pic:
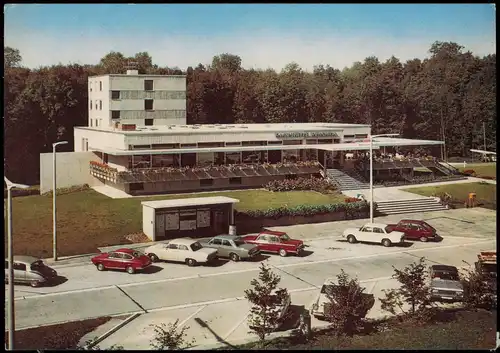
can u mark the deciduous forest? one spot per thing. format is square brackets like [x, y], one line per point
[447, 96]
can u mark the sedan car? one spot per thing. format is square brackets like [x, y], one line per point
[415, 230]
[445, 283]
[129, 260]
[232, 247]
[30, 270]
[275, 242]
[185, 250]
[374, 233]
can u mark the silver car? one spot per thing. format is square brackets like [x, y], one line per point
[445, 283]
[30, 270]
[232, 247]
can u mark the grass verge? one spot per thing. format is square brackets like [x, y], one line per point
[87, 220]
[60, 336]
[486, 194]
[481, 169]
[454, 330]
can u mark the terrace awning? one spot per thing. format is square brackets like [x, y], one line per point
[353, 146]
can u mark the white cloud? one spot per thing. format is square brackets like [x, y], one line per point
[261, 49]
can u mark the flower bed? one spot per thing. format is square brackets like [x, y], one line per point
[312, 183]
[253, 221]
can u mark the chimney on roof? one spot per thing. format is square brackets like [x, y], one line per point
[132, 68]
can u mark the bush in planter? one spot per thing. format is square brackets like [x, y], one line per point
[312, 183]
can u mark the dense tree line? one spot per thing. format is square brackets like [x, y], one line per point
[447, 97]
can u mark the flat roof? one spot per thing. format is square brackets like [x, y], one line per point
[138, 75]
[192, 201]
[239, 128]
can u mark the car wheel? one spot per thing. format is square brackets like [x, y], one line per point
[34, 284]
[100, 267]
[153, 257]
[282, 252]
[190, 262]
[423, 239]
[386, 242]
[130, 270]
[234, 257]
[351, 239]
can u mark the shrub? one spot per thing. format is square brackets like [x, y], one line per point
[170, 337]
[307, 210]
[479, 288]
[312, 183]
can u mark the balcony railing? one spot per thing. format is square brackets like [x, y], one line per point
[145, 175]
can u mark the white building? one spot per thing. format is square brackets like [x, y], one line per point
[145, 100]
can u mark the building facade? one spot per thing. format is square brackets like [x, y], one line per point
[145, 100]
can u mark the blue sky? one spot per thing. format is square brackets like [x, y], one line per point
[263, 35]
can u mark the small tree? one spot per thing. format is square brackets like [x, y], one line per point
[413, 291]
[479, 289]
[170, 337]
[348, 304]
[265, 298]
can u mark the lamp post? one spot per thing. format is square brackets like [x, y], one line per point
[54, 212]
[10, 259]
[371, 170]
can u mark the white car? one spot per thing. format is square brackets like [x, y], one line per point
[319, 308]
[185, 250]
[373, 233]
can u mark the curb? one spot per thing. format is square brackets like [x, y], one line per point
[111, 331]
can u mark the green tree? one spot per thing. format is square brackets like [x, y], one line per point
[11, 57]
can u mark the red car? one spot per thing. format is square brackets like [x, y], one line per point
[129, 260]
[275, 242]
[415, 230]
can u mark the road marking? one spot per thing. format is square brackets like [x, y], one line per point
[132, 299]
[236, 326]
[198, 276]
[191, 316]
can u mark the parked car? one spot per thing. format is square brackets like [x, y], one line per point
[30, 270]
[415, 230]
[487, 266]
[445, 283]
[185, 250]
[232, 247]
[282, 310]
[320, 307]
[374, 233]
[275, 242]
[129, 260]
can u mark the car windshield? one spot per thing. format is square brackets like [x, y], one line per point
[284, 237]
[325, 288]
[196, 246]
[239, 242]
[37, 265]
[452, 276]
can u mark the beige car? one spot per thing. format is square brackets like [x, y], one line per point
[30, 270]
[185, 250]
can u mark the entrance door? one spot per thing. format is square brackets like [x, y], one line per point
[321, 157]
[219, 222]
[160, 225]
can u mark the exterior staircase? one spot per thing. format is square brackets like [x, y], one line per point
[346, 180]
[424, 204]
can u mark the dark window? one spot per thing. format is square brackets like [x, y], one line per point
[127, 257]
[148, 104]
[234, 181]
[164, 146]
[148, 85]
[136, 186]
[90, 105]
[206, 182]
[115, 94]
[115, 114]
[233, 144]
[19, 267]
[100, 105]
[172, 246]
[100, 85]
[216, 242]
[361, 136]
[226, 243]
[275, 142]
[6, 264]
[348, 136]
[148, 122]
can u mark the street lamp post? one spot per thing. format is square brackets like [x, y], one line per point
[371, 170]
[10, 259]
[54, 213]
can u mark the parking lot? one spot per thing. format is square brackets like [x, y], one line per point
[210, 299]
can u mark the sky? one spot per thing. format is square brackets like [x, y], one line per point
[263, 35]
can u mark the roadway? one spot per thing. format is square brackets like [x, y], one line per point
[209, 299]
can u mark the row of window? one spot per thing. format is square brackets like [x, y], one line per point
[148, 85]
[148, 106]
[222, 144]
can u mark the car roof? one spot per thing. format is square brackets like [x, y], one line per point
[272, 232]
[444, 268]
[227, 236]
[25, 259]
[125, 250]
[183, 241]
[378, 225]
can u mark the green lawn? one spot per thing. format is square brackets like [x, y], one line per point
[463, 330]
[481, 169]
[87, 219]
[485, 193]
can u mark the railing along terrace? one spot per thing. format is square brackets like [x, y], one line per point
[106, 172]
